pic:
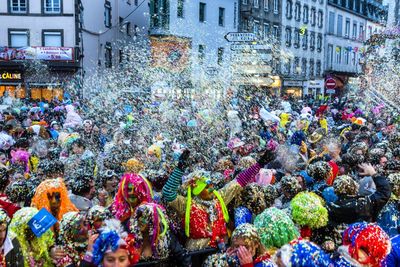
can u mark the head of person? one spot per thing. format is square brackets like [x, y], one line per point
[52, 195]
[51, 169]
[133, 190]
[319, 170]
[149, 219]
[345, 186]
[83, 186]
[246, 235]
[368, 244]
[290, 186]
[87, 126]
[253, 198]
[109, 181]
[74, 229]
[4, 178]
[96, 217]
[114, 247]
[78, 146]
[4, 222]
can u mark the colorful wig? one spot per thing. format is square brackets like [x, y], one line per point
[38, 247]
[371, 239]
[50, 186]
[275, 228]
[111, 238]
[153, 215]
[21, 156]
[308, 210]
[143, 191]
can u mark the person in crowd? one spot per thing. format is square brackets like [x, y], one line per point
[10, 253]
[83, 191]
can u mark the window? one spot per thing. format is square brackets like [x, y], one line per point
[313, 16]
[52, 38]
[320, 18]
[312, 41]
[305, 40]
[276, 32]
[18, 6]
[331, 26]
[304, 67]
[347, 30]
[245, 2]
[181, 9]
[107, 14]
[354, 30]
[256, 3]
[318, 70]
[121, 55]
[289, 7]
[338, 55]
[221, 17]
[288, 66]
[108, 55]
[266, 5]
[312, 74]
[330, 55]
[296, 65]
[202, 12]
[266, 30]
[339, 29]
[305, 14]
[136, 2]
[128, 28]
[245, 25]
[220, 55]
[319, 42]
[256, 27]
[361, 33]
[346, 57]
[201, 53]
[297, 11]
[288, 36]
[52, 6]
[276, 6]
[296, 38]
[353, 58]
[18, 38]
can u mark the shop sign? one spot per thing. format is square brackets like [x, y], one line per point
[10, 76]
[316, 84]
[293, 83]
[37, 53]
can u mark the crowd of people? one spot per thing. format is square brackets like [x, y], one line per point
[249, 180]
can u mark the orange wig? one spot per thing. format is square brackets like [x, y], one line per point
[50, 186]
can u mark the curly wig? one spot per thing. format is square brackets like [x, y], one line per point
[308, 210]
[50, 186]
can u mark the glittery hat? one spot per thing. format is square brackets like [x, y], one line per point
[275, 228]
[320, 170]
[308, 210]
[133, 165]
[394, 180]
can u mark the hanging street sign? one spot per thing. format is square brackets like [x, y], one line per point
[330, 84]
[250, 47]
[240, 37]
[251, 57]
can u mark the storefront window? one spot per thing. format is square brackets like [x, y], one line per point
[13, 91]
[46, 93]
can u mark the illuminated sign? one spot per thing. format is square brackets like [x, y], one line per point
[6, 76]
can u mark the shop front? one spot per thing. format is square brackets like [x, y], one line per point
[293, 88]
[12, 84]
[314, 88]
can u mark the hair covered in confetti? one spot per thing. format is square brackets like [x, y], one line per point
[308, 210]
[302, 253]
[50, 186]
[120, 207]
[40, 246]
[221, 260]
[253, 198]
[344, 185]
[275, 228]
[369, 238]
[111, 238]
[248, 234]
[394, 180]
[290, 185]
[319, 170]
[4, 219]
[152, 216]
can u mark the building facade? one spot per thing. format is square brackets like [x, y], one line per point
[303, 28]
[188, 37]
[108, 26]
[40, 54]
[349, 25]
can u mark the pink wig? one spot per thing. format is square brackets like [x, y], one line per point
[142, 189]
[20, 156]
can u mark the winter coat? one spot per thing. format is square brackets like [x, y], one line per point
[361, 208]
[389, 217]
[393, 259]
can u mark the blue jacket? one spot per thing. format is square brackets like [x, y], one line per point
[389, 218]
[393, 259]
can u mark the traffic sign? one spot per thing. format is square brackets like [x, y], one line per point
[331, 91]
[330, 84]
[240, 37]
[250, 47]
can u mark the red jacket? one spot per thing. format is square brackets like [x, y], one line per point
[8, 206]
